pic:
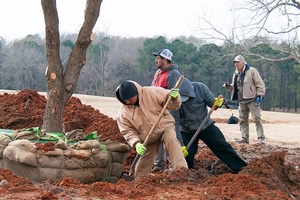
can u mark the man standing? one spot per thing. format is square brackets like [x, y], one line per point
[196, 97]
[167, 73]
[140, 108]
[166, 77]
[248, 88]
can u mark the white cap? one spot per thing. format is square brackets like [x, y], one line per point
[239, 58]
[166, 53]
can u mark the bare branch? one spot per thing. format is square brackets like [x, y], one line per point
[266, 12]
[282, 32]
[211, 31]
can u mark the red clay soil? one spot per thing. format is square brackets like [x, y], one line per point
[272, 171]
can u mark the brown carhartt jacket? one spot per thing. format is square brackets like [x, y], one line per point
[135, 122]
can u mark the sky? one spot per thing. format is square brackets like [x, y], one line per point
[130, 18]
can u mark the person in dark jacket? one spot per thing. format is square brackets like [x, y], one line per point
[196, 97]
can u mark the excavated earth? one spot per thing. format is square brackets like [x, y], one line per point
[272, 171]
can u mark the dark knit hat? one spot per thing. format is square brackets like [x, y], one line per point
[127, 90]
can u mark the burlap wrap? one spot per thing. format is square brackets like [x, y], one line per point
[87, 161]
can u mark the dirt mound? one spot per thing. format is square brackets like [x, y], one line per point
[272, 171]
[26, 109]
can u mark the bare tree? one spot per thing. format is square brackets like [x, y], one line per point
[284, 13]
[23, 63]
[278, 19]
[256, 20]
[62, 83]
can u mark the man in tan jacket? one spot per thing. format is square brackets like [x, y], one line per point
[140, 109]
[248, 88]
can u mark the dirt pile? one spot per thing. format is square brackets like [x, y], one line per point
[26, 109]
[272, 171]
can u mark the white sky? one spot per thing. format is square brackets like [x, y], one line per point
[127, 18]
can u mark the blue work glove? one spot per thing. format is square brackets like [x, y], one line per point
[218, 102]
[140, 148]
[258, 100]
[184, 151]
[174, 93]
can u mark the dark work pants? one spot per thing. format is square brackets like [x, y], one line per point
[215, 140]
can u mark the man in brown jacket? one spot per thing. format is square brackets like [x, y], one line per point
[248, 88]
[140, 109]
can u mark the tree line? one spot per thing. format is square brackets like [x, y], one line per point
[111, 60]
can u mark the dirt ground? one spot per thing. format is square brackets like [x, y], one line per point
[272, 171]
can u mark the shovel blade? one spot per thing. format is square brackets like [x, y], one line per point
[127, 177]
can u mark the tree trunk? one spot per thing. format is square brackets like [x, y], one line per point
[61, 85]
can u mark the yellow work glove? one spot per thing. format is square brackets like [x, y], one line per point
[174, 93]
[140, 148]
[218, 102]
[184, 151]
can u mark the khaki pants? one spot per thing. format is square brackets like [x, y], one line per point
[244, 110]
[173, 147]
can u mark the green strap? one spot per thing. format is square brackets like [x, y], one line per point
[9, 135]
[92, 136]
[35, 130]
[32, 129]
[55, 136]
[105, 150]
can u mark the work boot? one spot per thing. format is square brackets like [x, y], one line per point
[157, 168]
[261, 140]
[243, 140]
[169, 169]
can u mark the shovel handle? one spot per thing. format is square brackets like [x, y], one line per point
[137, 157]
[202, 125]
[178, 83]
[198, 130]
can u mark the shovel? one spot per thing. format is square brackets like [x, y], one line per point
[137, 157]
[201, 126]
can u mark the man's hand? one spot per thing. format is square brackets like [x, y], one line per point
[258, 100]
[140, 148]
[226, 84]
[218, 102]
[174, 93]
[184, 151]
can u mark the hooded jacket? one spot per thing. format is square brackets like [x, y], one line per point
[194, 110]
[166, 78]
[135, 122]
